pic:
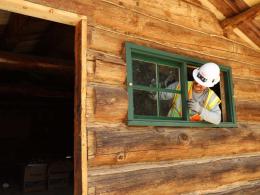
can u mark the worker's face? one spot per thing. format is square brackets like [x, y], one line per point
[198, 88]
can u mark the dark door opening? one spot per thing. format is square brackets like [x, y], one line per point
[36, 106]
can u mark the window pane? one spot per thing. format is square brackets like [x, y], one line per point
[144, 73]
[168, 75]
[167, 108]
[145, 103]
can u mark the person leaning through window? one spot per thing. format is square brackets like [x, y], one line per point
[203, 103]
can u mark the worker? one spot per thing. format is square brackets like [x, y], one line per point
[203, 103]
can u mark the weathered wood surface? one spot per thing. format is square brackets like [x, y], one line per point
[180, 12]
[113, 43]
[112, 70]
[249, 14]
[246, 90]
[166, 178]
[131, 23]
[80, 122]
[237, 188]
[248, 110]
[107, 72]
[122, 145]
[110, 104]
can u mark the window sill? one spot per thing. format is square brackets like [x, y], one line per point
[143, 122]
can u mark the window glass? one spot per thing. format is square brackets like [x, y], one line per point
[144, 104]
[168, 75]
[144, 73]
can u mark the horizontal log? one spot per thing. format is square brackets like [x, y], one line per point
[122, 145]
[248, 111]
[179, 12]
[107, 41]
[133, 23]
[246, 90]
[107, 72]
[170, 178]
[113, 71]
[10, 61]
[110, 104]
[237, 188]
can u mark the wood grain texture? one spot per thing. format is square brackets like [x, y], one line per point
[107, 41]
[108, 72]
[129, 22]
[247, 15]
[165, 178]
[80, 122]
[248, 111]
[237, 188]
[184, 13]
[110, 104]
[124, 145]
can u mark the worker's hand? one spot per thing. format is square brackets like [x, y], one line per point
[195, 106]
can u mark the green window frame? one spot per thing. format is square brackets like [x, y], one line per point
[158, 57]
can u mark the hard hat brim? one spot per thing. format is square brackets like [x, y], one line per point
[206, 84]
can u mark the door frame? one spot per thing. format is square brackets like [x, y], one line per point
[80, 92]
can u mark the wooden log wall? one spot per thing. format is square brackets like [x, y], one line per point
[165, 160]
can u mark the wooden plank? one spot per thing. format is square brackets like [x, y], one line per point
[110, 42]
[246, 90]
[124, 145]
[4, 17]
[237, 188]
[251, 30]
[175, 178]
[18, 62]
[211, 7]
[229, 10]
[40, 11]
[133, 23]
[106, 72]
[251, 3]
[245, 38]
[110, 104]
[184, 13]
[248, 111]
[233, 22]
[80, 125]
[223, 97]
[110, 70]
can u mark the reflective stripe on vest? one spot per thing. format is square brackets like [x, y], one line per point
[176, 109]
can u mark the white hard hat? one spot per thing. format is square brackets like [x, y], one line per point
[207, 75]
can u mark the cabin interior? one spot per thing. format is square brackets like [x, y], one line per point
[37, 105]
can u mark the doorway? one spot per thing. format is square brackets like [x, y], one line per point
[41, 90]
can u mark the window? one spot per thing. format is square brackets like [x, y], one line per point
[150, 75]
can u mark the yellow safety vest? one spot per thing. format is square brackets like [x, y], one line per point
[176, 109]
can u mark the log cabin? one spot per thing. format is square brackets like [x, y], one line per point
[76, 80]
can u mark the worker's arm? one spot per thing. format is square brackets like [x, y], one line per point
[212, 116]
